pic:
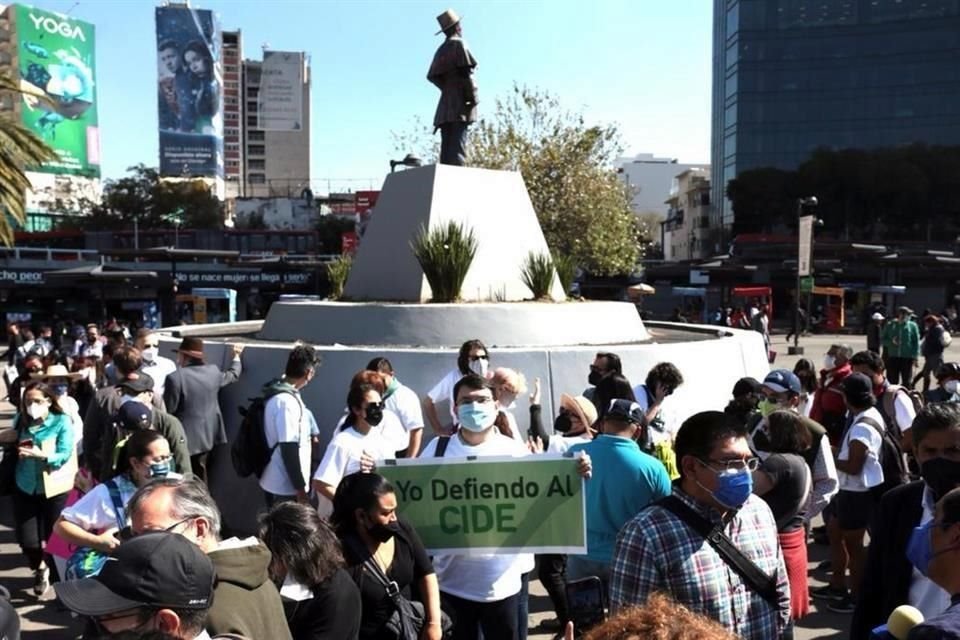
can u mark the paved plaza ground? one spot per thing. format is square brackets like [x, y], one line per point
[42, 619]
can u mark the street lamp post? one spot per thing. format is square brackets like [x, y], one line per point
[805, 222]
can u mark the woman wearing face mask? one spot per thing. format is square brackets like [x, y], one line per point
[360, 439]
[948, 387]
[58, 379]
[473, 358]
[807, 374]
[320, 599]
[94, 521]
[46, 444]
[784, 481]
[376, 543]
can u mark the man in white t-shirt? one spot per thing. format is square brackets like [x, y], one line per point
[893, 401]
[483, 592]
[403, 402]
[287, 429]
[859, 471]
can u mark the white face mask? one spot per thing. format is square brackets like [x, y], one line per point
[951, 386]
[150, 353]
[829, 362]
[480, 367]
[38, 411]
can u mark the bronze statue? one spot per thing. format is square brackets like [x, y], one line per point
[452, 73]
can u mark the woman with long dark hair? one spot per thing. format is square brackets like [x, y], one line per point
[807, 373]
[473, 357]
[320, 599]
[204, 99]
[784, 482]
[376, 545]
[45, 440]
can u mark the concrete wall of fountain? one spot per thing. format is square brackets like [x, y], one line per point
[711, 361]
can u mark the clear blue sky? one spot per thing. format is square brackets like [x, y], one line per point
[643, 64]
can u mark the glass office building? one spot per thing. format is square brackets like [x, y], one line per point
[790, 76]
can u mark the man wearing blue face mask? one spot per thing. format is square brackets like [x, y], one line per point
[663, 548]
[893, 577]
[481, 591]
[935, 549]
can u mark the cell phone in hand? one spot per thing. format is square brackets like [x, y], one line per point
[587, 602]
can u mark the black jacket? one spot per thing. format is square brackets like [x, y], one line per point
[886, 577]
[333, 613]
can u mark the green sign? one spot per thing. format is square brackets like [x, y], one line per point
[806, 284]
[56, 60]
[530, 505]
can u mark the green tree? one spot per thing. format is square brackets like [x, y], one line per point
[20, 149]
[583, 206]
[154, 203]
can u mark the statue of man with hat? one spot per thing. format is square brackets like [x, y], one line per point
[452, 73]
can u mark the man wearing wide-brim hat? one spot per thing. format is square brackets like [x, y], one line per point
[452, 73]
[191, 394]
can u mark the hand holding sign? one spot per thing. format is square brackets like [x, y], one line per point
[584, 465]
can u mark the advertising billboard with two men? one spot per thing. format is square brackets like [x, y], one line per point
[189, 93]
[56, 59]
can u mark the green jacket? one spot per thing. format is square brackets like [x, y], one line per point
[902, 339]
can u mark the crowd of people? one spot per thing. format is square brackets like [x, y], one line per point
[696, 526]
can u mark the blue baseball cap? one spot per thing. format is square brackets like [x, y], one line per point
[782, 381]
[625, 411]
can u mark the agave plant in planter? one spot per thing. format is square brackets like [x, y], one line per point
[566, 267]
[445, 254]
[537, 274]
[337, 272]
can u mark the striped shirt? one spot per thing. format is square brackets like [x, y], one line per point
[656, 551]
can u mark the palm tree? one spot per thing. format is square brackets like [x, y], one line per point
[19, 150]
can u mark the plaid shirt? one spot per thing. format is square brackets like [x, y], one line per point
[658, 552]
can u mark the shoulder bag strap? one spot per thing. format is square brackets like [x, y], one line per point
[442, 443]
[370, 564]
[117, 500]
[754, 576]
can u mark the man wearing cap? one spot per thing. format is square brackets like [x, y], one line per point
[156, 581]
[625, 481]
[98, 422]
[901, 341]
[858, 463]
[781, 391]
[192, 395]
[452, 73]
[245, 601]
[875, 333]
[746, 395]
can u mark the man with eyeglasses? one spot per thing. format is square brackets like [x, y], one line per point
[603, 365]
[658, 551]
[155, 582]
[245, 601]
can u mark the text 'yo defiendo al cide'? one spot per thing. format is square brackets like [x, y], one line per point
[492, 505]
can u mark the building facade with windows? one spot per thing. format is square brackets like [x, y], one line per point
[791, 76]
[232, 113]
[686, 228]
[275, 163]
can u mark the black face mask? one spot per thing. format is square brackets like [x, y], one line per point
[562, 424]
[374, 414]
[594, 378]
[383, 532]
[941, 475]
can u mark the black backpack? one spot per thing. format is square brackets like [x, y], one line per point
[249, 451]
[892, 461]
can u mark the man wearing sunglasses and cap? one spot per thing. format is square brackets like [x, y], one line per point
[157, 581]
[452, 73]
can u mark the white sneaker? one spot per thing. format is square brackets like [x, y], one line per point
[41, 580]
